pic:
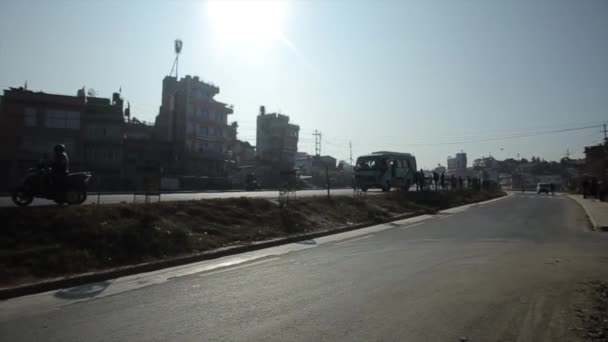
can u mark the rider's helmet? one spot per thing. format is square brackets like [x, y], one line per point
[59, 148]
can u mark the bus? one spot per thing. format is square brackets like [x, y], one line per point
[385, 170]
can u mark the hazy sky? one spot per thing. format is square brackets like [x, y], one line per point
[427, 77]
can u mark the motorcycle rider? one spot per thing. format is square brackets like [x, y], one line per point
[60, 169]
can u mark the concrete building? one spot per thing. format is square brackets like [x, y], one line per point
[103, 128]
[276, 139]
[143, 155]
[596, 161]
[327, 161]
[457, 165]
[486, 168]
[239, 152]
[440, 169]
[309, 165]
[196, 124]
[31, 123]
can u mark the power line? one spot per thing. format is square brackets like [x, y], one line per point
[464, 138]
[477, 138]
[522, 135]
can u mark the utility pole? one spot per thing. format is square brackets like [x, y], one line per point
[605, 133]
[568, 153]
[317, 135]
[350, 146]
[327, 178]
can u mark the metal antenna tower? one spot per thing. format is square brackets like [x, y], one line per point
[178, 49]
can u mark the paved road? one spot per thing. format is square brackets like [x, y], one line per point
[118, 198]
[507, 270]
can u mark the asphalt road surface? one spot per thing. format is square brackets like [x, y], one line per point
[118, 198]
[505, 270]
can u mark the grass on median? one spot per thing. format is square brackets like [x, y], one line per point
[49, 241]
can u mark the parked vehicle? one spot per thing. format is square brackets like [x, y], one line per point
[37, 183]
[385, 170]
[543, 188]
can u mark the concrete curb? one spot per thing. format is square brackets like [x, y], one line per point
[594, 224]
[92, 277]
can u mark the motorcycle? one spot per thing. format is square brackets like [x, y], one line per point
[37, 184]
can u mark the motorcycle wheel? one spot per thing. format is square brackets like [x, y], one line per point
[22, 198]
[75, 196]
[82, 198]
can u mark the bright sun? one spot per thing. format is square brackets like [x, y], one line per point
[247, 21]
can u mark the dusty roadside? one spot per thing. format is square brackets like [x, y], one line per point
[592, 312]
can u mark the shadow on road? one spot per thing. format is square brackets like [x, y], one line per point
[84, 291]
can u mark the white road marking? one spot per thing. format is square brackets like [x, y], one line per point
[412, 225]
[229, 269]
[341, 243]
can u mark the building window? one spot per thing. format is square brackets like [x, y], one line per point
[62, 119]
[31, 118]
[44, 144]
[202, 95]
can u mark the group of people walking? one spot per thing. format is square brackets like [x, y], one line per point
[436, 181]
[592, 187]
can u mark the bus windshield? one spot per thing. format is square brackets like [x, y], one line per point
[368, 162]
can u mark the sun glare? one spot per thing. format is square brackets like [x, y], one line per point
[247, 21]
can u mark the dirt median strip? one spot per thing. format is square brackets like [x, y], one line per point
[91, 277]
[180, 233]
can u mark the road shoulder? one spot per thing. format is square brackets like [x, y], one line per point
[596, 211]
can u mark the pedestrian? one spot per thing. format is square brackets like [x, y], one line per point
[585, 186]
[416, 181]
[594, 187]
[436, 179]
[60, 170]
[421, 178]
[443, 180]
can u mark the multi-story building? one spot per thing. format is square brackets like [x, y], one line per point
[31, 123]
[596, 161]
[239, 152]
[457, 166]
[276, 139]
[91, 128]
[143, 154]
[103, 128]
[196, 124]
